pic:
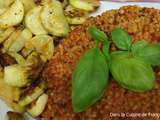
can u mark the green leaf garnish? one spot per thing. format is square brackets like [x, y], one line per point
[131, 67]
[119, 54]
[89, 80]
[100, 36]
[132, 73]
[105, 50]
[121, 39]
[97, 35]
[138, 45]
[148, 52]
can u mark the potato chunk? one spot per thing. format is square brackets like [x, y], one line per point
[86, 5]
[28, 4]
[33, 21]
[43, 44]
[16, 75]
[39, 106]
[5, 34]
[19, 43]
[53, 18]
[13, 15]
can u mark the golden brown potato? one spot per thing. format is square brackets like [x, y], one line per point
[86, 5]
[83, 5]
[53, 18]
[13, 15]
[76, 20]
[5, 34]
[74, 12]
[7, 93]
[23, 73]
[2, 10]
[11, 40]
[5, 3]
[37, 108]
[20, 41]
[34, 65]
[33, 21]
[16, 75]
[28, 4]
[19, 58]
[43, 44]
[30, 97]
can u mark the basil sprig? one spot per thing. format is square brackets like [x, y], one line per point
[97, 35]
[89, 80]
[100, 36]
[131, 67]
[121, 39]
[131, 72]
[90, 77]
[149, 52]
[138, 45]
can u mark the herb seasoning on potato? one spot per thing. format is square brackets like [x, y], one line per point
[28, 29]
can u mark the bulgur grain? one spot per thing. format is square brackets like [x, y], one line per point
[141, 23]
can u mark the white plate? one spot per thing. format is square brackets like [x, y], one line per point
[104, 6]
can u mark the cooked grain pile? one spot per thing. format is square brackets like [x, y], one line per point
[141, 23]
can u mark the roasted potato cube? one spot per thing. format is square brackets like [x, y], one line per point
[16, 75]
[25, 71]
[71, 11]
[37, 108]
[20, 41]
[86, 5]
[2, 10]
[11, 40]
[34, 65]
[76, 20]
[5, 3]
[13, 15]
[19, 58]
[28, 4]
[10, 95]
[5, 34]
[33, 21]
[53, 18]
[43, 44]
[83, 5]
[29, 98]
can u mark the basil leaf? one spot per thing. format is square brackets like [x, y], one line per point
[100, 36]
[119, 54]
[89, 80]
[138, 45]
[149, 52]
[105, 50]
[132, 73]
[96, 34]
[121, 39]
